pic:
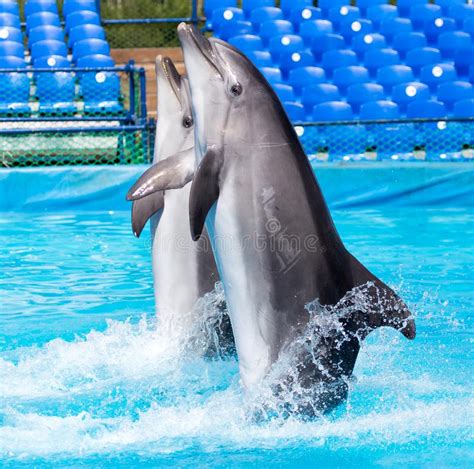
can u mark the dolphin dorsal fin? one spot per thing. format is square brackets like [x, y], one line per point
[173, 172]
[381, 306]
[204, 191]
[143, 209]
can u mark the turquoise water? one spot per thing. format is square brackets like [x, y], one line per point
[88, 377]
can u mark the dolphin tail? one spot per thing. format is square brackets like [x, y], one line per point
[171, 173]
[143, 209]
[379, 306]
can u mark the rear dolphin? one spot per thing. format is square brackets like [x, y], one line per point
[184, 271]
[275, 243]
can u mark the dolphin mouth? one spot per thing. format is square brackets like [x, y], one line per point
[174, 78]
[190, 36]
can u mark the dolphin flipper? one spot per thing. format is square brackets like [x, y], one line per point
[171, 173]
[204, 191]
[143, 209]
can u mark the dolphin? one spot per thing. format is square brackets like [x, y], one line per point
[275, 243]
[183, 271]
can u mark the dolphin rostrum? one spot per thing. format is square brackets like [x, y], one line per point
[184, 271]
[276, 246]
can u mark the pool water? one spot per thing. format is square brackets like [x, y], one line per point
[88, 377]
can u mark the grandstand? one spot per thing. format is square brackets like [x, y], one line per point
[66, 89]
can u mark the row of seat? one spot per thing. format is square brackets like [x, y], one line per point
[57, 92]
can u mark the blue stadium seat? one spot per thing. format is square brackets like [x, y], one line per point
[43, 33]
[295, 111]
[8, 33]
[460, 12]
[422, 12]
[12, 62]
[468, 26]
[246, 42]
[319, 93]
[403, 42]
[42, 19]
[302, 14]
[55, 92]
[285, 43]
[101, 92]
[284, 92]
[343, 77]
[78, 18]
[326, 42]
[272, 74]
[454, 41]
[434, 75]
[338, 58]
[222, 17]
[379, 110]
[301, 77]
[417, 58]
[426, 109]
[350, 29]
[390, 27]
[343, 13]
[365, 4]
[7, 19]
[463, 59]
[235, 28]
[377, 58]
[314, 28]
[433, 28]
[38, 6]
[47, 48]
[52, 61]
[288, 5]
[464, 108]
[90, 47]
[361, 93]
[249, 5]
[407, 93]
[453, 91]
[260, 58]
[291, 60]
[264, 14]
[405, 5]
[379, 13]
[14, 94]
[326, 5]
[10, 48]
[446, 4]
[86, 31]
[274, 28]
[95, 61]
[332, 111]
[71, 6]
[362, 44]
[10, 7]
[393, 75]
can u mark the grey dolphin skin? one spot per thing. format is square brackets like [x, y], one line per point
[183, 271]
[276, 246]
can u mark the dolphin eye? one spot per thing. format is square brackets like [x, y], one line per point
[236, 89]
[188, 122]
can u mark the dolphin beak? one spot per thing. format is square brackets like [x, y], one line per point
[166, 69]
[193, 42]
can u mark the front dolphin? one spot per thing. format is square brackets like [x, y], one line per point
[183, 271]
[274, 240]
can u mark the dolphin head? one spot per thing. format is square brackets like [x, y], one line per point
[175, 126]
[226, 88]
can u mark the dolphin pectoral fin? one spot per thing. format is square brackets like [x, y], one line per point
[171, 173]
[143, 209]
[384, 308]
[204, 191]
